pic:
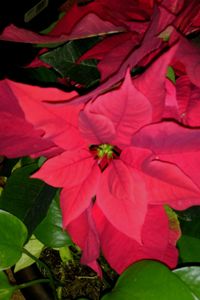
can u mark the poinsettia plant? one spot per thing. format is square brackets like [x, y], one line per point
[100, 148]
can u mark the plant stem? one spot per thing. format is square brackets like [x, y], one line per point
[27, 284]
[41, 264]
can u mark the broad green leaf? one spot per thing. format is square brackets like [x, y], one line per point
[50, 231]
[189, 249]
[149, 280]
[26, 198]
[6, 289]
[64, 60]
[191, 277]
[37, 75]
[35, 247]
[189, 243]
[13, 235]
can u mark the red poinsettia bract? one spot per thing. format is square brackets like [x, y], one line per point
[27, 126]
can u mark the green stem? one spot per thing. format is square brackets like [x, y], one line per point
[40, 263]
[27, 284]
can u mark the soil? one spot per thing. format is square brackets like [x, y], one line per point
[78, 281]
[73, 280]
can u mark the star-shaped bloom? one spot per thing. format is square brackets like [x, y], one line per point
[119, 163]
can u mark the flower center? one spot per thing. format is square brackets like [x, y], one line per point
[104, 153]
[105, 150]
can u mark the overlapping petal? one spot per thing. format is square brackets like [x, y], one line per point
[122, 198]
[158, 242]
[19, 138]
[84, 233]
[68, 169]
[126, 107]
[96, 129]
[57, 123]
[167, 137]
[75, 200]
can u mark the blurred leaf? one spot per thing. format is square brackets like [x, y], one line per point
[35, 247]
[171, 74]
[149, 280]
[191, 277]
[65, 254]
[189, 249]
[50, 27]
[27, 198]
[13, 235]
[7, 166]
[64, 60]
[40, 74]
[6, 289]
[50, 231]
[190, 221]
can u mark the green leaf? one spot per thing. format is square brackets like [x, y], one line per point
[39, 75]
[190, 221]
[64, 60]
[6, 289]
[65, 254]
[13, 235]
[50, 231]
[149, 280]
[27, 198]
[7, 166]
[171, 74]
[189, 242]
[189, 249]
[35, 247]
[191, 277]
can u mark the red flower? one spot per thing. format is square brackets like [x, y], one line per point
[124, 164]
[106, 128]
